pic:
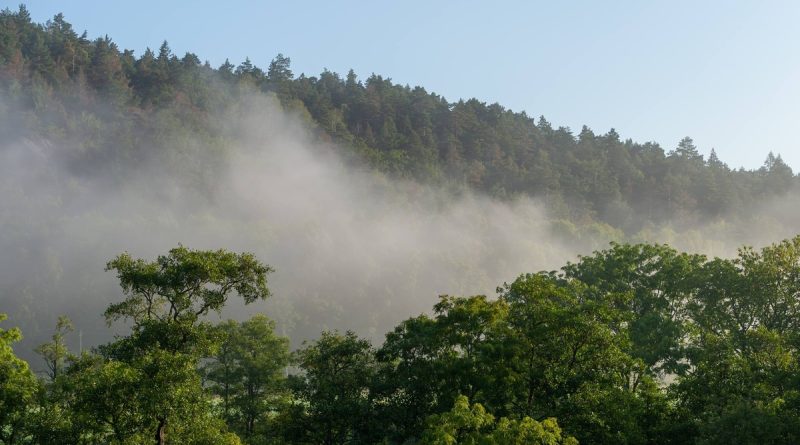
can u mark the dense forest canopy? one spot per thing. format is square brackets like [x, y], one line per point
[636, 343]
[70, 85]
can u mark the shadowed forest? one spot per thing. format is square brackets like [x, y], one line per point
[361, 202]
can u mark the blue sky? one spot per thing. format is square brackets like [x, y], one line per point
[723, 72]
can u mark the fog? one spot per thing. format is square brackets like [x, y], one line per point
[352, 249]
[765, 223]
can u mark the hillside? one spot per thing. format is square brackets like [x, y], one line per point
[58, 84]
[237, 255]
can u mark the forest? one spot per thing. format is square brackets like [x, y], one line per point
[68, 85]
[635, 344]
[631, 342]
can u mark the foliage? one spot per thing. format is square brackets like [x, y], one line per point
[332, 400]
[18, 387]
[634, 344]
[247, 373]
[146, 385]
[56, 353]
[57, 80]
[472, 425]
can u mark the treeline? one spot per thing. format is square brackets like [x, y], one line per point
[113, 105]
[636, 344]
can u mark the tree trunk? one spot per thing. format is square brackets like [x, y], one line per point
[161, 432]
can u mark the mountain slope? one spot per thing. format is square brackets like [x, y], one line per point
[56, 83]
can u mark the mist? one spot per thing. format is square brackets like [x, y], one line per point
[352, 248]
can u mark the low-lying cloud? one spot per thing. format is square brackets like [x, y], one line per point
[352, 249]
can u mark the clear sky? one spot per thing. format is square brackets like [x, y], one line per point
[726, 73]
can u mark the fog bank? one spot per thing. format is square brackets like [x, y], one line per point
[351, 248]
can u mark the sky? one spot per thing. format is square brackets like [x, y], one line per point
[722, 72]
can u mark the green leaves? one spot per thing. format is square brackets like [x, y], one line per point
[185, 284]
[332, 395]
[596, 179]
[247, 373]
[467, 424]
[166, 300]
[463, 424]
[56, 353]
[549, 346]
[635, 344]
[18, 387]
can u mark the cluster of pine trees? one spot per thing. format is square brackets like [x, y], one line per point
[636, 344]
[114, 105]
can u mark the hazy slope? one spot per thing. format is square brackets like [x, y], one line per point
[352, 249]
[91, 166]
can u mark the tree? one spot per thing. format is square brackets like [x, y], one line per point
[332, 397]
[105, 72]
[222, 372]
[247, 372]
[742, 349]
[776, 174]
[263, 356]
[247, 70]
[226, 69]
[17, 389]
[171, 294]
[165, 301]
[687, 150]
[463, 424]
[658, 280]
[714, 162]
[279, 69]
[56, 352]
[471, 425]
[428, 362]
[563, 352]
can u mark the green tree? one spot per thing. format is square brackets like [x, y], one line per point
[687, 150]
[777, 176]
[467, 424]
[279, 69]
[54, 420]
[742, 348]
[165, 301]
[222, 372]
[247, 372]
[56, 352]
[428, 362]
[332, 399]
[563, 352]
[18, 387]
[657, 281]
[171, 295]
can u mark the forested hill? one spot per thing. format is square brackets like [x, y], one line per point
[57, 83]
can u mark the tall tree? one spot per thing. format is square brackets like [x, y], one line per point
[332, 398]
[55, 353]
[17, 389]
[687, 150]
[280, 69]
[165, 301]
[247, 373]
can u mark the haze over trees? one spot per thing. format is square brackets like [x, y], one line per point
[60, 79]
[635, 343]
